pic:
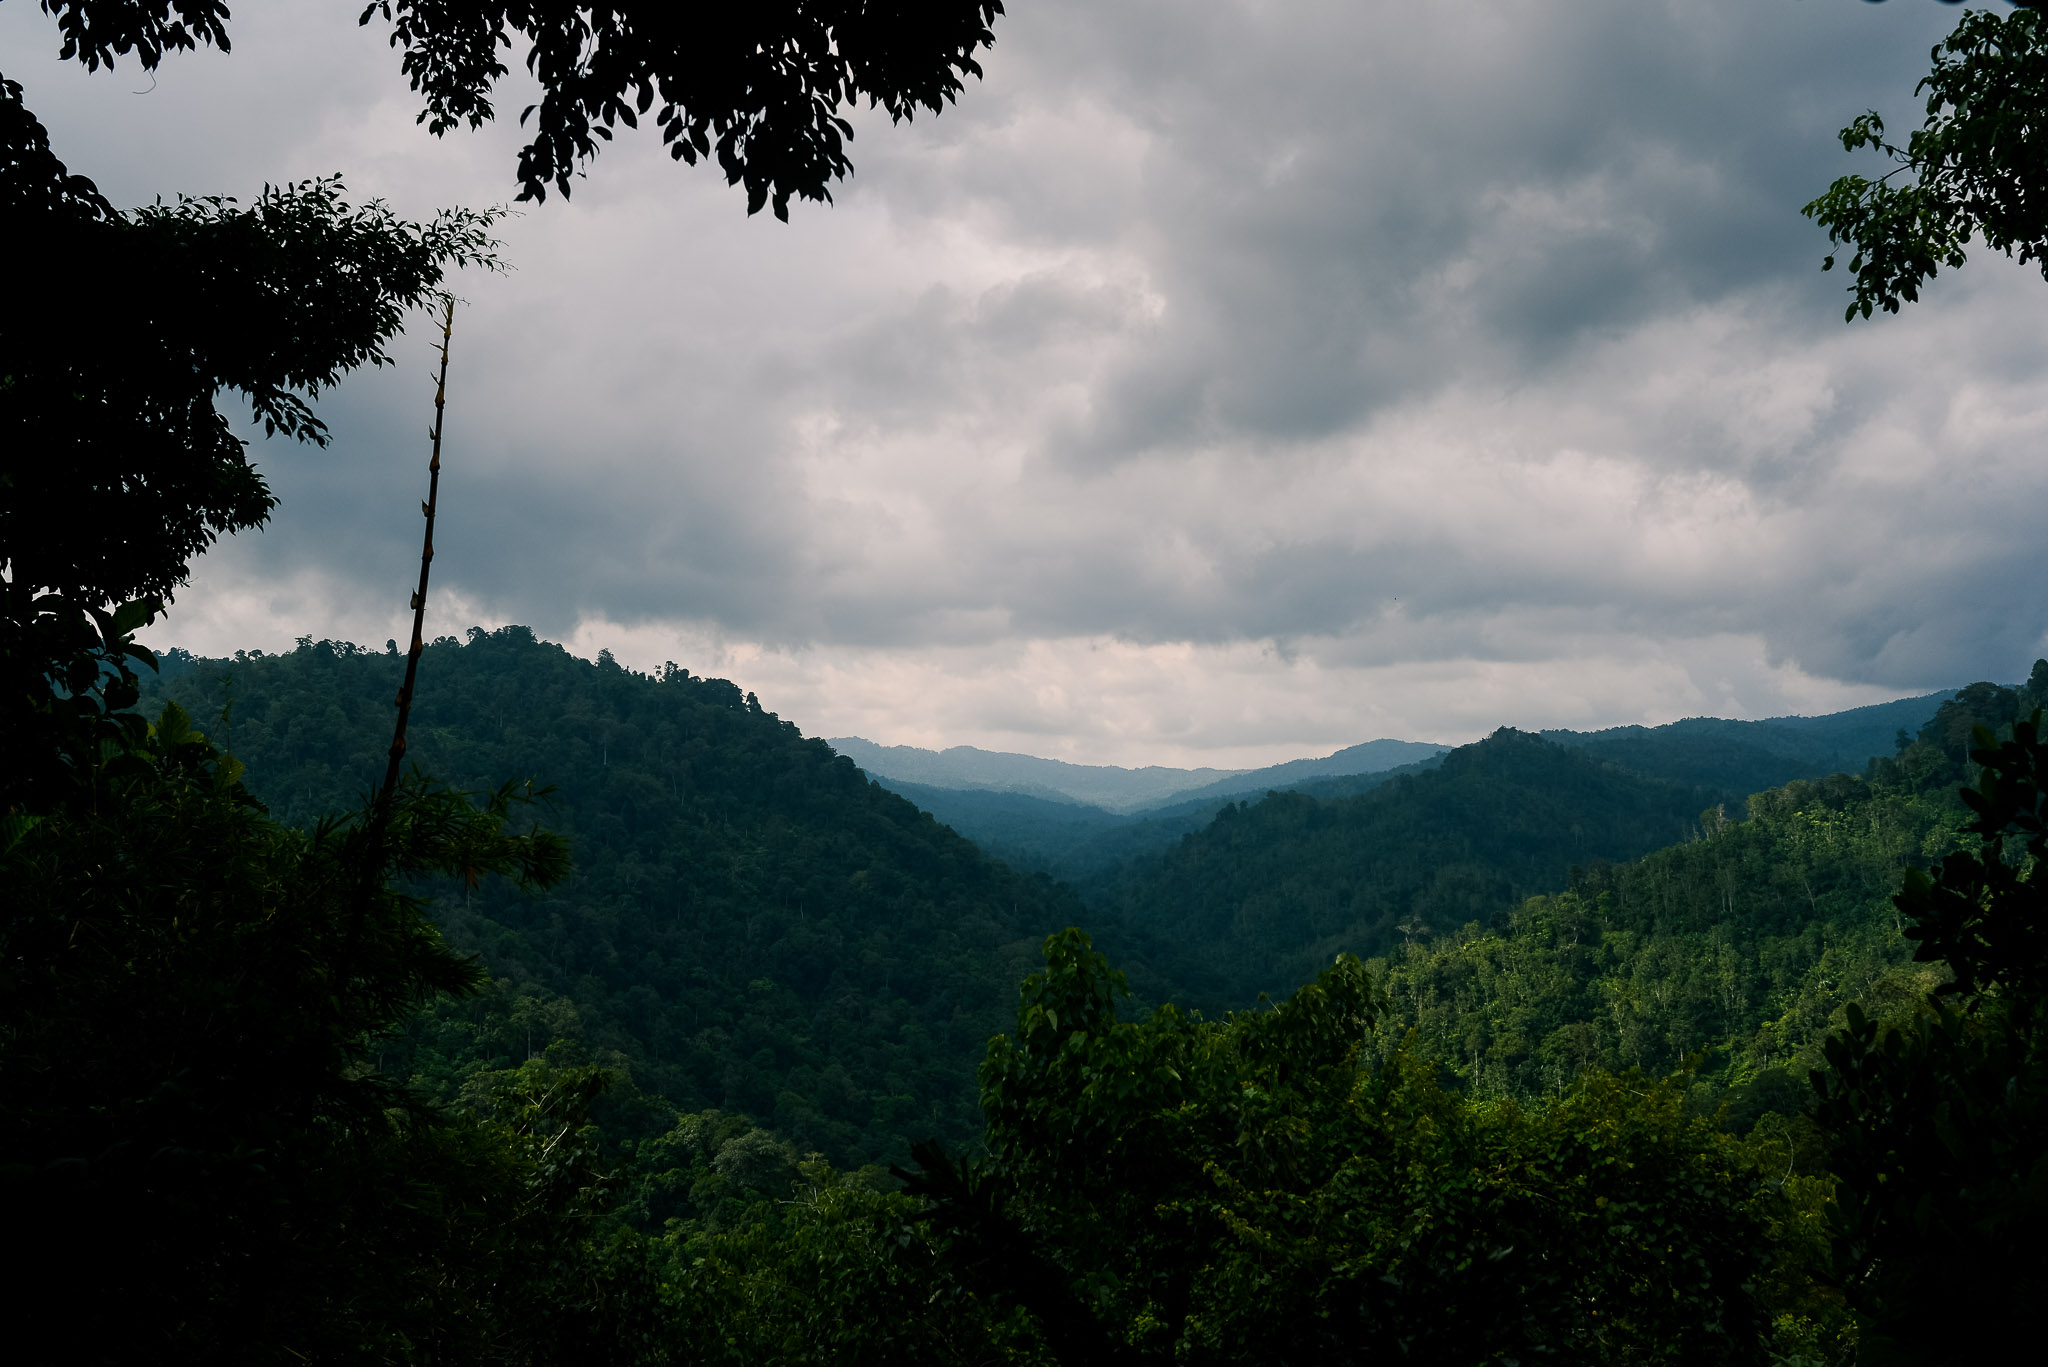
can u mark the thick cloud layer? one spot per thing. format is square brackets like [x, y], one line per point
[1215, 384]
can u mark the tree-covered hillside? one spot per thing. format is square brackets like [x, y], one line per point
[1743, 944]
[1070, 838]
[783, 957]
[756, 927]
[1738, 758]
[1270, 891]
[751, 924]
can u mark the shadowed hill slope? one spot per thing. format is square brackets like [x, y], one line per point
[1265, 895]
[1037, 826]
[752, 925]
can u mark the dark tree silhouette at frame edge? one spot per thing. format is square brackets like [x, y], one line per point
[1938, 1123]
[1976, 165]
[183, 1049]
[280, 298]
[763, 89]
[113, 349]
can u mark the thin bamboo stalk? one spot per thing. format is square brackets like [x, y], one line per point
[380, 810]
[419, 598]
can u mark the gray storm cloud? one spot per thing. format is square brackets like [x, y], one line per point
[1359, 356]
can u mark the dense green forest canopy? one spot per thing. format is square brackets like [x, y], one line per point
[1269, 891]
[227, 1028]
[755, 927]
[1243, 1191]
[194, 999]
[775, 957]
[1740, 946]
[1737, 758]
[751, 925]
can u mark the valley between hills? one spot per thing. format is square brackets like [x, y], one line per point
[757, 926]
[1192, 370]
[666, 1028]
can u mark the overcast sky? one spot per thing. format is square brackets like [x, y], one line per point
[1217, 383]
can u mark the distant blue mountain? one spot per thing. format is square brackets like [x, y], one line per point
[1078, 842]
[1373, 757]
[965, 766]
[1077, 821]
[1113, 789]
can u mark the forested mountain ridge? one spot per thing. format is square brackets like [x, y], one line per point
[686, 803]
[1038, 828]
[729, 817]
[213, 1023]
[1744, 757]
[1268, 892]
[751, 924]
[1741, 946]
[747, 898]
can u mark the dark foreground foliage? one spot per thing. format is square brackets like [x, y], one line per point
[195, 1141]
[1254, 1189]
[1576, 1131]
[1938, 1121]
[121, 467]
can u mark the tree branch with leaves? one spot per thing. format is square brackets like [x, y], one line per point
[1977, 165]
